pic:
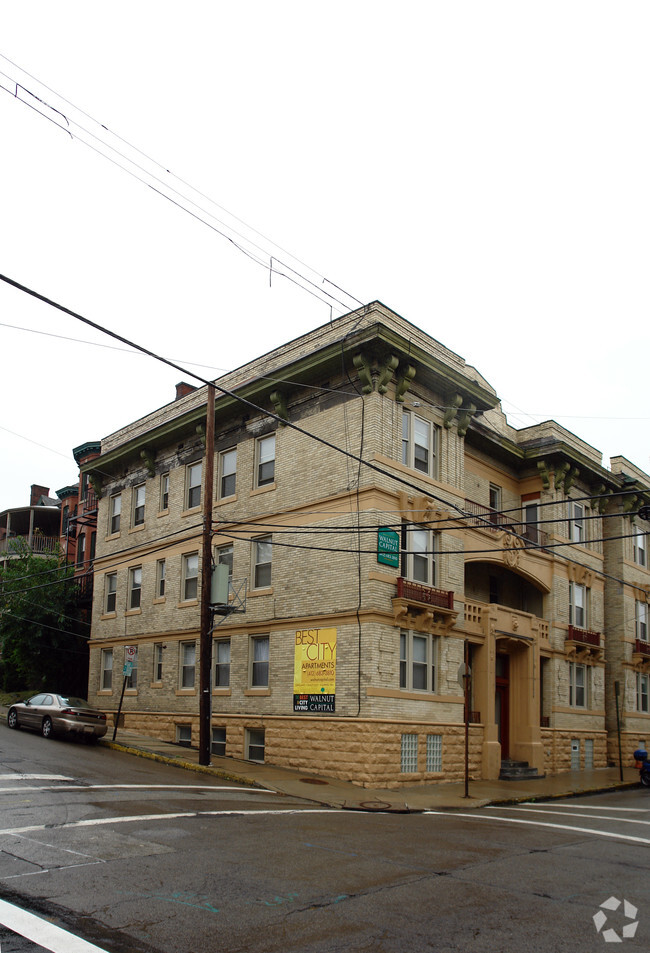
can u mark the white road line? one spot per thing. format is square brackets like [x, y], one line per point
[139, 818]
[560, 827]
[595, 817]
[126, 787]
[35, 777]
[42, 932]
[592, 807]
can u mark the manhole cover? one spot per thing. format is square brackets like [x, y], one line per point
[313, 781]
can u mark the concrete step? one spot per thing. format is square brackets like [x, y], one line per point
[518, 771]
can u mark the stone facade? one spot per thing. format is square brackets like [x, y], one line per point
[364, 426]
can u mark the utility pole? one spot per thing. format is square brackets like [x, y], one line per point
[205, 706]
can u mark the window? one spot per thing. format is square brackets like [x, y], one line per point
[184, 735]
[93, 544]
[138, 505]
[164, 492]
[193, 485]
[409, 754]
[642, 692]
[115, 513]
[419, 440]
[266, 460]
[262, 562]
[640, 557]
[132, 679]
[578, 605]
[81, 549]
[106, 676]
[434, 752]
[110, 592]
[530, 519]
[641, 620]
[225, 558]
[188, 664]
[228, 473]
[255, 744]
[259, 661]
[495, 497]
[135, 587]
[417, 661]
[190, 576]
[222, 663]
[576, 522]
[157, 661]
[219, 742]
[577, 685]
[418, 562]
[160, 578]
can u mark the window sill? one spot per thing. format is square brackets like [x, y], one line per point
[137, 529]
[187, 604]
[137, 611]
[185, 691]
[251, 692]
[111, 537]
[193, 511]
[130, 691]
[226, 499]
[159, 600]
[164, 512]
[263, 489]
[264, 591]
[222, 691]
[105, 691]
[108, 615]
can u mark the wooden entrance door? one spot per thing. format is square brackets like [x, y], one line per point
[502, 704]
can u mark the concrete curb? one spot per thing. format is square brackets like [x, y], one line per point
[184, 765]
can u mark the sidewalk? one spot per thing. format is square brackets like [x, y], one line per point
[343, 794]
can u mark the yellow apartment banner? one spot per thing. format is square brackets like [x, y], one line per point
[314, 674]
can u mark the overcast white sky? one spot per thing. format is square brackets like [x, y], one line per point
[480, 167]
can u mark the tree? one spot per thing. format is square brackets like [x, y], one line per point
[42, 637]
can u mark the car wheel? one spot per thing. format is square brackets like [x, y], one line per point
[645, 779]
[12, 718]
[46, 727]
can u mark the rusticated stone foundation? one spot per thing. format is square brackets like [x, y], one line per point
[365, 752]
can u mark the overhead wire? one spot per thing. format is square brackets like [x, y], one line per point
[314, 289]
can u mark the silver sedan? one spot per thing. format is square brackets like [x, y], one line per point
[58, 714]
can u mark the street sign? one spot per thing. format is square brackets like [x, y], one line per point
[128, 669]
[130, 652]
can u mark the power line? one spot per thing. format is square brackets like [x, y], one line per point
[316, 290]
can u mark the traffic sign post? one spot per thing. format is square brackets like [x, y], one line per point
[130, 653]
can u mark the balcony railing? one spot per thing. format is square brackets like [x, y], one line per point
[642, 648]
[39, 545]
[485, 517]
[89, 503]
[583, 636]
[415, 591]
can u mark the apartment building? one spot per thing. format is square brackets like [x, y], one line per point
[378, 523]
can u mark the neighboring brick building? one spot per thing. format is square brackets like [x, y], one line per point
[78, 528]
[370, 577]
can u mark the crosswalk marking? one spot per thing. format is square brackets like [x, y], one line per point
[45, 934]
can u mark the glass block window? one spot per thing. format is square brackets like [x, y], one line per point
[434, 752]
[409, 758]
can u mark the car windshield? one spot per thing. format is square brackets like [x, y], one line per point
[72, 702]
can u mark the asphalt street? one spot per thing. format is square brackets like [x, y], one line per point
[124, 854]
